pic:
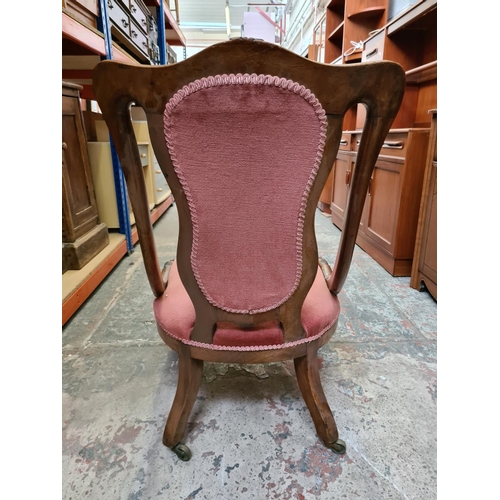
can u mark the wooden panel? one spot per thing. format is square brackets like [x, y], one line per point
[427, 99]
[79, 206]
[429, 257]
[341, 178]
[325, 197]
[383, 203]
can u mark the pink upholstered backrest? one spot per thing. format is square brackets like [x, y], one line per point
[246, 150]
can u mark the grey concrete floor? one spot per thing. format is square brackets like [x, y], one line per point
[250, 432]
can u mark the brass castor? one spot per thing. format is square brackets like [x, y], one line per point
[338, 447]
[182, 451]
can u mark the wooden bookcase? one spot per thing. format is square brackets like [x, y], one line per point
[351, 20]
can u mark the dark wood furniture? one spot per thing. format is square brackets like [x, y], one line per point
[134, 28]
[83, 236]
[380, 86]
[424, 270]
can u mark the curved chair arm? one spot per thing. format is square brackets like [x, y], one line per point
[115, 111]
[374, 134]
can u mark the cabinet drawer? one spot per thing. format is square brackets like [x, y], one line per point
[143, 153]
[374, 48]
[118, 16]
[138, 15]
[394, 144]
[139, 38]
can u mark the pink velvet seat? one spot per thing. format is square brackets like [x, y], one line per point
[175, 314]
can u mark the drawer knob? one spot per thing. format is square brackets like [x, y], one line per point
[158, 171]
[160, 189]
[143, 155]
[64, 145]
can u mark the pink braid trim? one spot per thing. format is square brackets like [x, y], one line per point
[213, 347]
[238, 79]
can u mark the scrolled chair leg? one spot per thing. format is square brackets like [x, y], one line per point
[188, 384]
[307, 370]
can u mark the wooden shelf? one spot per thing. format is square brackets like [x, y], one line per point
[337, 32]
[422, 74]
[367, 13]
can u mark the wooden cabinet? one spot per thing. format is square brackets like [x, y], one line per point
[83, 236]
[424, 270]
[341, 181]
[389, 221]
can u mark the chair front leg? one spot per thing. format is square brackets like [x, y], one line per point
[307, 370]
[188, 384]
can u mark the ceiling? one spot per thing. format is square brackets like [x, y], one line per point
[202, 21]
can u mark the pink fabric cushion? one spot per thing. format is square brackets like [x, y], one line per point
[246, 150]
[175, 313]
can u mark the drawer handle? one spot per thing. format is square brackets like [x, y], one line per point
[343, 142]
[370, 187]
[393, 145]
[372, 53]
[143, 155]
[160, 189]
[133, 33]
[158, 171]
[347, 178]
[133, 8]
[125, 23]
[64, 145]
[145, 45]
[110, 4]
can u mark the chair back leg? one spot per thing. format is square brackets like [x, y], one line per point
[307, 370]
[188, 384]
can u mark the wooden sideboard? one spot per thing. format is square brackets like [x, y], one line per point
[83, 236]
[390, 215]
[424, 270]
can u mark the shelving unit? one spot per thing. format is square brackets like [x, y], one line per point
[87, 38]
[389, 222]
[351, 20]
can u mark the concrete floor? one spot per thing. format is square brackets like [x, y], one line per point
[250, 432]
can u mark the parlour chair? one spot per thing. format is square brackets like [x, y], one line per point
[246, 133]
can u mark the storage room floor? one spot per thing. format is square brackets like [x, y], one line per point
[250, 432]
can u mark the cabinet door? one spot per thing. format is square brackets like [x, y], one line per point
[428, 264]
[79, 206]
[382, 203]
[341, 181]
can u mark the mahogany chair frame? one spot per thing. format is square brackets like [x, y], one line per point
[378, 85]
